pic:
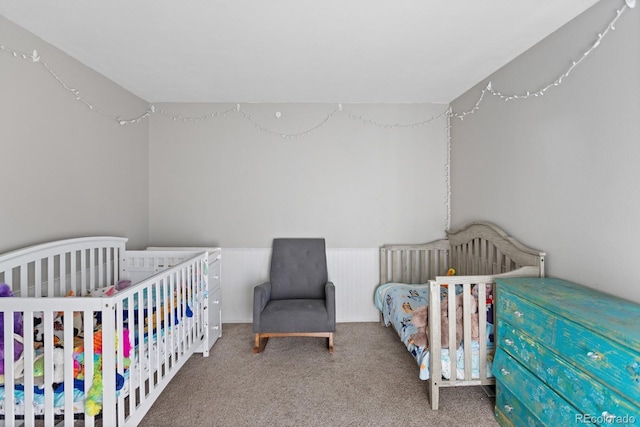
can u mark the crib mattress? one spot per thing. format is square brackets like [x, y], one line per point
[396, 302]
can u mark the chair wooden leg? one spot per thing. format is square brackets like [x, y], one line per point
[260, 344]
[261, 339]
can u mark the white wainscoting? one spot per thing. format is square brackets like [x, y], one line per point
[355, 273]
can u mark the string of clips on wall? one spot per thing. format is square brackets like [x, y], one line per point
[339, 109]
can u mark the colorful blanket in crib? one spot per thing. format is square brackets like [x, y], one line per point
[90, 401]
[398, 301]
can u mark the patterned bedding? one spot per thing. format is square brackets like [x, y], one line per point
[136, 359]
[398, 301]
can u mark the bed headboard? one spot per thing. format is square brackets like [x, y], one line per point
[55, 268]
[479, 248]
[483, 248]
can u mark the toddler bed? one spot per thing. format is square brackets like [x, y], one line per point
[413, 296]
[92, 333]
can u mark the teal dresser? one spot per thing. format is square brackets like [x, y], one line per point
[566, 355]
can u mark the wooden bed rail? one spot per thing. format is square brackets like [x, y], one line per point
[470, 284]
[414, 263]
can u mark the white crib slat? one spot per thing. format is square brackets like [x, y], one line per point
[68, 369]
[148, 321]
[83, 271]
[110, 276]
[37, 279]
[139, 311]
[27, 322]
[51, 291]
[87, 333]
[9, 383]
[435, 363]
[120, 357]
[64, 286]
[178, 327]
[451, 313]
[24, 281]
[190, 272]
[47, 321]
[166, 308]
[482, 325]
[132, 355]
[184, 337]
[101, 268]
[158, 322]
[466, 336]
[73, 272]
[92, 269]
[173, 344]
[108, 365]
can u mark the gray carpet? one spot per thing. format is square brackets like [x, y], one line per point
[369, 380]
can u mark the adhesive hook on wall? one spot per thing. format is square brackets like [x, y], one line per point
[278, 114]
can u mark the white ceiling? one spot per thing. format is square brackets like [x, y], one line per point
[347, 51]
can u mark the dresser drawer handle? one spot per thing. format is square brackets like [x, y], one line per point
[508, 341]
[215, 301]
[518, 313]
[508, 408]
[594, 355]
[505, 372]
[216, 277]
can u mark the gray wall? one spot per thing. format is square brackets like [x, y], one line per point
[66, 170]
[560, 172]
[224, 182]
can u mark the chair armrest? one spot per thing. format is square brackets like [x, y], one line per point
[261, 296]
[330, 300]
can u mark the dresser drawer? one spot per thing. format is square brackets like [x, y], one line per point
[528, 317]
[539, 399]
[214, 276]
[585, 392]
[215, 321]
[510, 411]
[601, 358]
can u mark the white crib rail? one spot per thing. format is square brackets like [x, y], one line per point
[55, 268]
[163, 299]
[176, 291]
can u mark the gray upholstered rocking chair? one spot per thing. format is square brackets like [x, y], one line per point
[298, 299]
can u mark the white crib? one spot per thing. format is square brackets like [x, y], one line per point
[118, 351]
[479, 252]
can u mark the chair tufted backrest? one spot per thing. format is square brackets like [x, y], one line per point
[298, 268]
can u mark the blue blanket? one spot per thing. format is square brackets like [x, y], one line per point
[397, 302]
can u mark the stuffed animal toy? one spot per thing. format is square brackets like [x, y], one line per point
[419, 320]
[475, 328]
[93, 403]
[106, 291]
[58, 366]
[5, 291]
